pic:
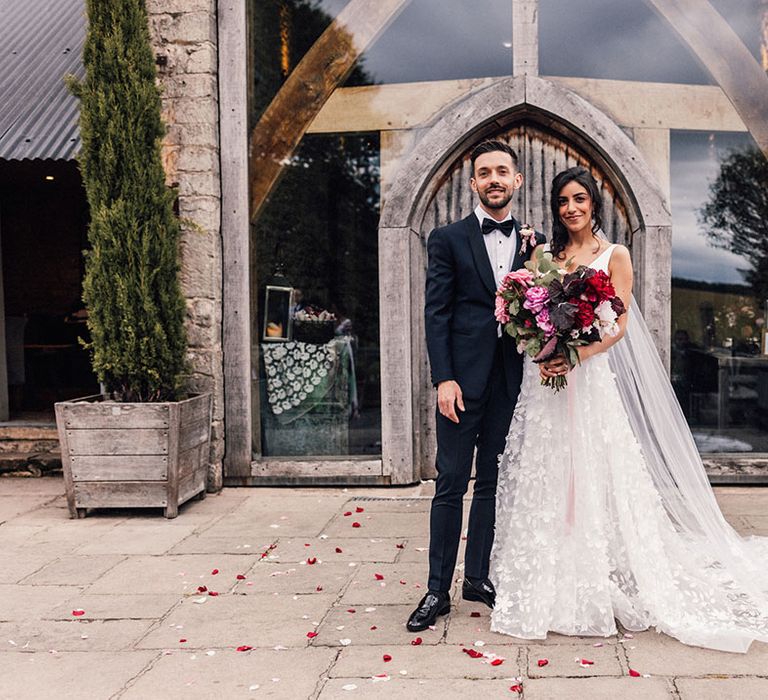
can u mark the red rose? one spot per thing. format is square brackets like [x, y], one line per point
[585, 314]
[601, 284]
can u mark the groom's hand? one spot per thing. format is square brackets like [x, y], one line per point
[448, 398]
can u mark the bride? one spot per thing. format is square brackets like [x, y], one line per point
[603, 510]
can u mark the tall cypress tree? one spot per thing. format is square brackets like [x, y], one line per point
[131, 287]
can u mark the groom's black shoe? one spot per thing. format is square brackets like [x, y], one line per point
[480, 590]
[433, 604]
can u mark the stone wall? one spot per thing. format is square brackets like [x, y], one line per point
[184, 34]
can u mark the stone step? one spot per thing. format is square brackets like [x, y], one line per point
[35, 463]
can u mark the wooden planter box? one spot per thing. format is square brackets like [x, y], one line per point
[134, 455]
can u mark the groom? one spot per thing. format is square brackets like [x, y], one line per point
[477, 371]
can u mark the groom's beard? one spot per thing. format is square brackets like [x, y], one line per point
[497, 204]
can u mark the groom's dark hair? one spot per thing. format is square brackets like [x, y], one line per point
[488, 147]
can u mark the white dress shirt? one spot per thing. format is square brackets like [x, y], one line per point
[501, 249]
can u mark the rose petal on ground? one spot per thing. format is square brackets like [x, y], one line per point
[473, 653]
[181, 641]
[312, 560]
[311, 635]
[78, 613]
[240, 577]
[319, 588]
[517, 688]
[202, 589]
[339, 550]
[634, 674]
[244, 647]
[497, 662]
[416, 642]
[348, 513]
[373, 627]
[387, 658]
[587, 662]
[359, 509]
[351, 610]
[355, 524]
[542, 662]
[213, 593]
[400, 546]
[214, 572]
[379, 577]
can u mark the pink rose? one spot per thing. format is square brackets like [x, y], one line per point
[502, 311]
[521, 276]
[535, 298]
[543, 322]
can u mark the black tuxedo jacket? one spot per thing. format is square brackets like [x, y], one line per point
[462, 332]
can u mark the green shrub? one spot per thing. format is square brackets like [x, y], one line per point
[131, 287]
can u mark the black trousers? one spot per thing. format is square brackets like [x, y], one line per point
[483, 425]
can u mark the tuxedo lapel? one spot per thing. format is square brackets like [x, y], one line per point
[519, 259]
[479, 253]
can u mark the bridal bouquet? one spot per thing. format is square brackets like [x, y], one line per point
[549, 311]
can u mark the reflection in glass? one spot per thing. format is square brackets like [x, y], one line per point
[720, 249]
[277, 313]
[320, 392]
[613, 39]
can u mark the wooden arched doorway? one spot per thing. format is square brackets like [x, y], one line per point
[552, 129]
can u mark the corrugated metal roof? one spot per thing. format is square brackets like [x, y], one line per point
[41, 41]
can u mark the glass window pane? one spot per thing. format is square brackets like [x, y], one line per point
[318, 357]
[613, 39]
[429, 41]
[746, 17]
[719, 288]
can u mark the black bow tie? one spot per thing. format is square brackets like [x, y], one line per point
[506, 227]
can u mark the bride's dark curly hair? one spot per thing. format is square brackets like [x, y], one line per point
[584, 178]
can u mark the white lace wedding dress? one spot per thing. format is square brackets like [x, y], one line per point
[588, 534]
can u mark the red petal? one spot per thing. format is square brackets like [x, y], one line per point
[473, 653]
[240, 577]
[312, 560]
[202, 589]
[587, 662]
[214, 572]
[634, 673]
[379, 577]
[474, 614]
[517, 688]
[359, 509]
[307, 545]
[311, 635]
[416, 642]
[78, 613]
[400, 546]
[387, 658]
[497, 662]
[402, 582]
[373, 627]
[319, 588]
[213, 593]
[339, 550]
[351, 610]
[181, 641]
[244, 647]
[355, 524]
[542, 662]
[348, 513]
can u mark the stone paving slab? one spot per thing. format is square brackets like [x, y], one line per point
[719, 688]
[598, 689]
[71, 675]
[425, 661]
[388, 620]
[260, 673]
[127, 538]
[299, 578]
[397, 582]
[17, 566]
[235, 543]
[235, 620]
[73, 635]
[180, 574]
[115, 606]
[381, 524]
[74, 569]
[352, 549]
[570, 660]
[660, 655]
[18, 602]
[13, 506]
[424, 689]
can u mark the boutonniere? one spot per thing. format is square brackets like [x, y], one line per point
[527, 237]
